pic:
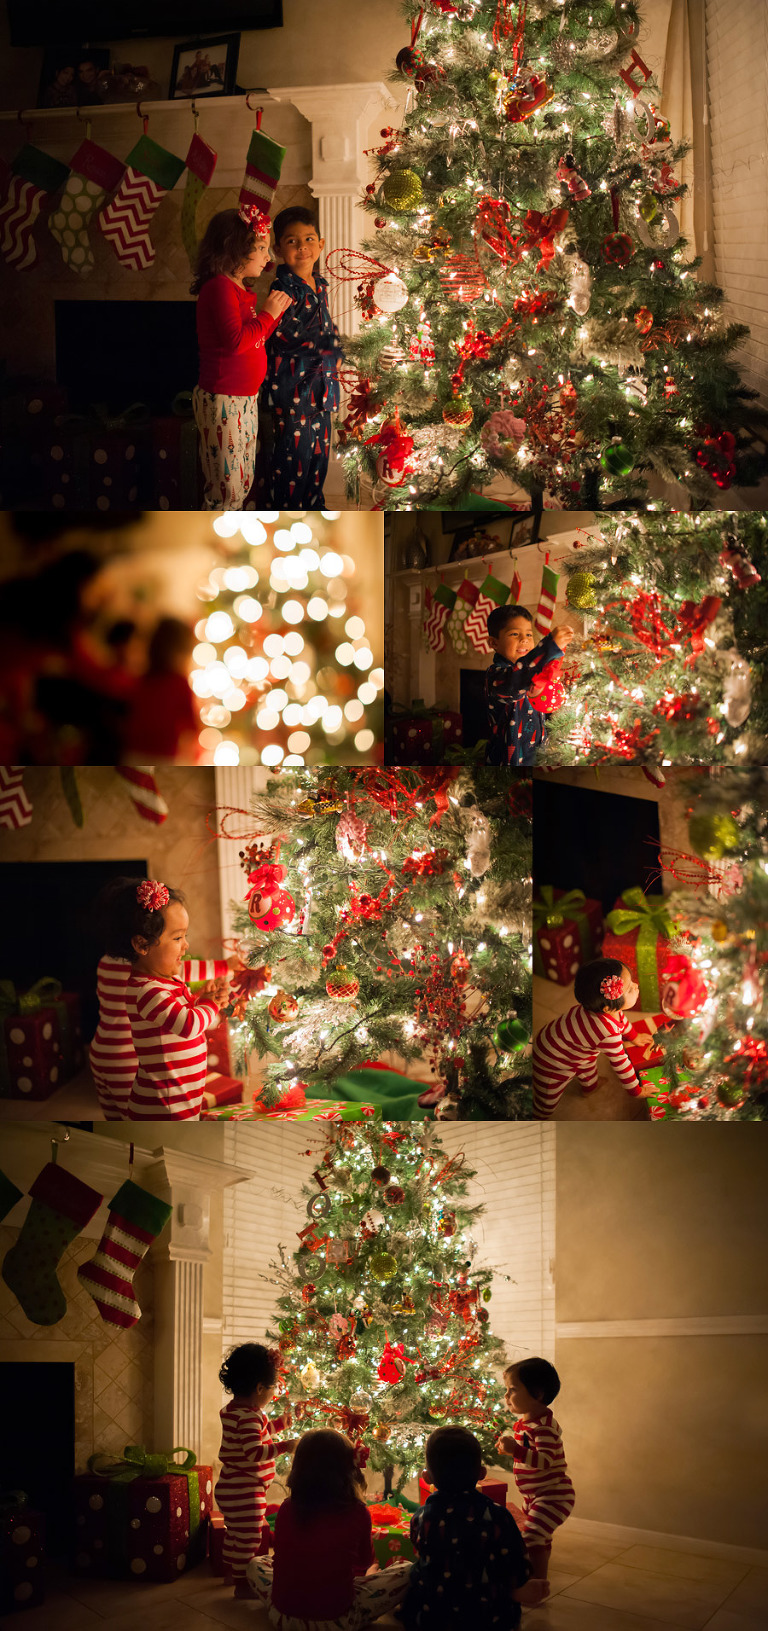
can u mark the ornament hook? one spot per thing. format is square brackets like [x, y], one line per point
[195, 114]
[143, 116]
[63, 1138]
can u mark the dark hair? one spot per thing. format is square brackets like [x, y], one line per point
[454, 1459]
[248, 1367]
[589, 978]
[171, 639]
[324, 1473]
[227, 242]
[539, 1377]
[119, 917]
[502, 615]
[121, 631]
[286, 218]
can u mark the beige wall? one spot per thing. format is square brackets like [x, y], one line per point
[668, 1433]
[179, 852]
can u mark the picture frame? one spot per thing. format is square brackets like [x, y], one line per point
[69, 77]
[203, 68]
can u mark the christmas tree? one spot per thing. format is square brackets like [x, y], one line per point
[528, 305]
[284, 668]
[672, 666]
[383, 1328]
[393, 908]
[715, 1065]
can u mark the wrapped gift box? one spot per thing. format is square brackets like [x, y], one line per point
[48, 993]
[641, 1045]
[174, 464]
[312, 1110]
[222, 1090]
[671, 1093]
[391, 1527]
[216, 1537]
[219, 1050]
[141, 1527]
[22, 1554]
[32, 1065]
[423, 736]
[495, 1489]
[637, 932]
[567, 931]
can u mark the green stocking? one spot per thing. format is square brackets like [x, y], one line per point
[61, 1207]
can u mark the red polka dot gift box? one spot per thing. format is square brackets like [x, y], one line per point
[40, 1039]
[422, 736]
[22, 1553]
[567, 931]
[145, 1517]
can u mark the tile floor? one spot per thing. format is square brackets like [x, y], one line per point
[610, 1101]
[596, 1586]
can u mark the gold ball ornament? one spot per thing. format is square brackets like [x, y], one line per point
[719, 930]
[381, 1432]
[341, 986]
[283, 1007]
[459, 412]
[402, 190]
[580, 591]
[648, 207]
[383, 1266]
[712, 834]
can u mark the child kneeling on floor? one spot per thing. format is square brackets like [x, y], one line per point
[324, 1572]
[471, 1567]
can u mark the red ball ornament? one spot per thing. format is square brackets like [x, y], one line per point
[644, 320]
[394, 1195]
[343, 987]
[269, 906]
[283, 1007]
[617, 249]
[380, 1175]
[460, 969]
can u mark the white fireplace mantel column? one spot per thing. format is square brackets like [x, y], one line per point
[340, 116]
[179, 1256]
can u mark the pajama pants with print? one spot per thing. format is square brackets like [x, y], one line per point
[375, 1594]
[300, 456]
[244, 1506]
[227, 427]
[545, 1512]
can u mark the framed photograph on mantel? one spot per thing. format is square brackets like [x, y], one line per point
[204, 67]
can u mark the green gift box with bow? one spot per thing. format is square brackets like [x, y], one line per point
[567, 929]
[637, 932]
[143, 1516]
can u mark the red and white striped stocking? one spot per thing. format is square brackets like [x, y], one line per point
[15, 808]
[151, 171]
[33, 175]
[144, 792]
[135, 1220]
[436, 616]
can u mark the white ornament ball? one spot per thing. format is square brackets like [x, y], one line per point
[390, 293]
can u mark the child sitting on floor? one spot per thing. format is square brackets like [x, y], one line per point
[247, 1454]
[516, 723]
[324, 1573]
[302, 357]
[569, 1045]
[537, 1447]
[471, 1568]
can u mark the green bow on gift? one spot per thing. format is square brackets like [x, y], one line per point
[648, 914]
[43, 994]
[553, 912]
[141, 1463]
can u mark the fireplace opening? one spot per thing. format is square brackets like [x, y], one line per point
[120, 352]
[575, 832]
[472, 706]
[58, 939]
[37, 1442]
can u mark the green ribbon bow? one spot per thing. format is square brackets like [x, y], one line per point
[650, 916]
[45, 993]
[138, 1462]
[551, 913]
[10, 1499]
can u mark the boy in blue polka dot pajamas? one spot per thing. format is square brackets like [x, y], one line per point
[516, 725]
[303, 353]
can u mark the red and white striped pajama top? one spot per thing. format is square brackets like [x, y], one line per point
[568, 1046]
[168, 1030]
[542, 1477]
[247, 1469]
[112, 1053]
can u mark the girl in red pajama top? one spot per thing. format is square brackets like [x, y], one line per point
[247, 1454]
[231, 335]
[118, 916]
[536, 1444]
[569, 1045]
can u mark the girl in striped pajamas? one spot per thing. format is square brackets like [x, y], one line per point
[569, 1045]
[113, 1059]
[536, 1444]
[247, 1455]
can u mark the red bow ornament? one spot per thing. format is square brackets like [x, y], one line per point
[693, 620]
[394, 461]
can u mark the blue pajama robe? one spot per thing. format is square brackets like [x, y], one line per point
[302, 389]
[517, 729]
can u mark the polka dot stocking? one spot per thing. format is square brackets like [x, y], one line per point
[69, 222]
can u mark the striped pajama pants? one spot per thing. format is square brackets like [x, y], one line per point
[375, 1594]
[244, 1506]
[545, 1512]
[550, 1082]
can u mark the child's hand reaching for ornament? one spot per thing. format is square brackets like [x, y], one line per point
[215, 990]
[563, 635]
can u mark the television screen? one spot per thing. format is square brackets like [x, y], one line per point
[48, 22]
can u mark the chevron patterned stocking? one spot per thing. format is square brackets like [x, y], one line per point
[151, 171]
